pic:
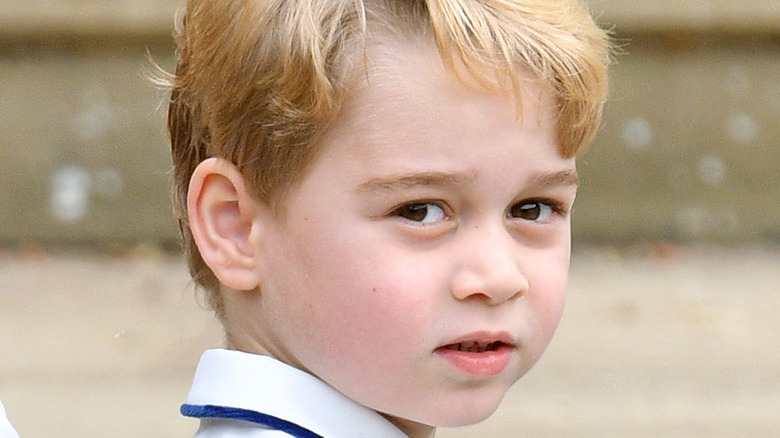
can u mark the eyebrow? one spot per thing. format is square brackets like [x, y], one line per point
[562, 178]
[408, 180]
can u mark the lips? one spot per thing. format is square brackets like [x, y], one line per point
[480, 354]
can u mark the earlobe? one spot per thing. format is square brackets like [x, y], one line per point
[222, 215]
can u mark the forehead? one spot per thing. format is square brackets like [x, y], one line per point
[407, 80]
[410, 115]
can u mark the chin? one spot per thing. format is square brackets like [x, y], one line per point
[471, 417]
[475, 410]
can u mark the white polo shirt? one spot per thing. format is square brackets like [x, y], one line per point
[6, 430]
[243, 395]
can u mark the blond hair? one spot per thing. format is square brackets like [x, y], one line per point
[258, 81]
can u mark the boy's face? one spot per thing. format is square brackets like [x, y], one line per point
[421, 267]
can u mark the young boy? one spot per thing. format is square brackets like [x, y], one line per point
[376, 197]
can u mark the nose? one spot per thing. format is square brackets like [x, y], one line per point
[489, 268]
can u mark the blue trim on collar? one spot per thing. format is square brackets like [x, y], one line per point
[211, 411]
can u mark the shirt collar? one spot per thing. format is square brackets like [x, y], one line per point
[236, 379]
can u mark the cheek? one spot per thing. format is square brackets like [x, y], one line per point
[548, 296]
[368, 327]
[359, 298]
[371, 302]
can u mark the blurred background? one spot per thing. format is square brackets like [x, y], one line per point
[672, 326]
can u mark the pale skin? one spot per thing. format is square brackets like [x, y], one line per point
[434, 220]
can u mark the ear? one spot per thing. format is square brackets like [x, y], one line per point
[222, 215]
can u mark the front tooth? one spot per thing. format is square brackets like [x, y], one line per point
[468, 346]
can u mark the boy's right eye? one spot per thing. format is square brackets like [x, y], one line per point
[424, 213]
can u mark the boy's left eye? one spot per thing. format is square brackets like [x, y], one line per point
[536, 211]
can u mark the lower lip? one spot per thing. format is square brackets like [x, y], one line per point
[485, 364]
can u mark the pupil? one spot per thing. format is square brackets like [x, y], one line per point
[530, 211]
[416, 212]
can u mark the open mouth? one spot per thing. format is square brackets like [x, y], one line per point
[476, 347]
